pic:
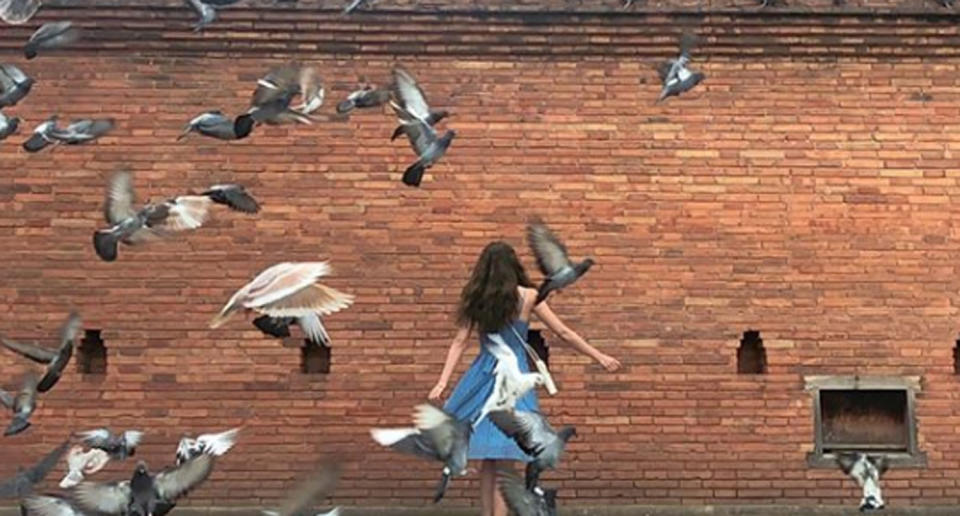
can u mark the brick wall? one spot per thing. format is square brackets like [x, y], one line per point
[803, 191]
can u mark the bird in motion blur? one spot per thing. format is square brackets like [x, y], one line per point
[674, 74]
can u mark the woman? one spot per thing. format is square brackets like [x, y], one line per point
[499, 299]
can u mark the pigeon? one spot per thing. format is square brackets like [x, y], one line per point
[675, 75]
[16, 12]
[211, 444]
[22, 484]
[866, 471]
[552, 259]
[207, 11]
[55, 361]
[82, 463]
[145, 494]
[534, 435]
[119, 447]
[318, 485]
[49, 505]
[50, 36]
[353, 6]
[365, 97]
[436, 435]
[76, 133]
[8, 126]
[14, 85]
[524, 502]
[411, 98]
[423, 138]
[22, 405]
[510, 384]
[290, 290]
[275, 91]
[153, 220]
[211, 123]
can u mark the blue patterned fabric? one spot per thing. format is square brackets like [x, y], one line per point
[473, 389]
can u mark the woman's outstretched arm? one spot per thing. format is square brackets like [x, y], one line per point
[453, 358]
[569, 336]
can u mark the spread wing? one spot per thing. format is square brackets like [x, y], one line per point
[437, 426]
[120, 198]
[409, 94]
[277, 84]
[174, 483]
[39, 471]
[316, 298]
[183, 213]
[318, 485]
[551, 254]
[16, 12]
[49, 506]
[218, 444]
[31, 351]
[70, 329]
[518, 498]
[110, 498]
[528, 429]
[6, 399]
[100, 438]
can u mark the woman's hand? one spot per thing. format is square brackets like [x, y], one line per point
[608, 362]
[437, 392]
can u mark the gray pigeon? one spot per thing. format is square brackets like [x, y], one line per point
[866, 471]
[423, 138]
[22, 405]
[144, 494]
[14, 85]
[16, 12]
[409, 96]
[211, 444]
[233, 196]
[76, 133]
[8, 126]
[552, 259]
[50, 36]
[206, 10]
[524, 502]
[119, 447]
[674, 74]
[211, 123]
[49, 505]
[318, 485]
[22, 484]
[534, 435]
[55, 360]
[365, 97]
[435, 435]
[275, 91]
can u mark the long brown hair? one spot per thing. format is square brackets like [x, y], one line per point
[490, 300]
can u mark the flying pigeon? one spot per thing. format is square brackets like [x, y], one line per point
[318, 485]
[22, 484]
[144, 494]
[365, 97]
[534, 435]
[435, 435]
[866, 471]
[76, 133]
[211, 444]
[55, 361]
[428, 147]
[290, 290]
[206, 10]
[524, 502]
[14, 85]
[510, 384]
[119, 447]
[16, 12]
[552, 259]
[275, 92]
[8, 126]
[411, 98]
[182, 213]
[50, 36]
[675, 75]
[211, 123]
[22, 405]
[82, 463]
[49, 505]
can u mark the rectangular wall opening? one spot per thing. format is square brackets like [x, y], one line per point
[92, 354]
[314, 358]
[535, 340]
[864, 420]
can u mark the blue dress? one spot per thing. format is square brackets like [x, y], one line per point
[473, 389]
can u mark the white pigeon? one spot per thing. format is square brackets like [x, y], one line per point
[82, 463]
[210, 444]
[510, 384]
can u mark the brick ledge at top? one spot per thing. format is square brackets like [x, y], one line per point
[287, 33]
[615, 6]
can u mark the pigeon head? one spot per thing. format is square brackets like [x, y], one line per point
[550, 496]
[30, 51]
[567, 432]
[243, 125]
[141, 469]
[582, 267]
